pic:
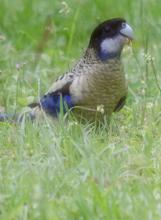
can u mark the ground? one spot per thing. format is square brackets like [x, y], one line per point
[58, 170]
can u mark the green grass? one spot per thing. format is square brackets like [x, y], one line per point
[59, 171]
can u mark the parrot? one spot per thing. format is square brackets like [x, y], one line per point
[96, 85]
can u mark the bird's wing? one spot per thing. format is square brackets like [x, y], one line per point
[62, 84]
[58, 95]
[120, 104]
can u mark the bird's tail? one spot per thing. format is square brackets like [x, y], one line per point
[29, 114]
[8, 117]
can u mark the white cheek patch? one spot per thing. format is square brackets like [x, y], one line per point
[112, 45]
[105, 45]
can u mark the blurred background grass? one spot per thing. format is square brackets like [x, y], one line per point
[74, 171]
[59, 32]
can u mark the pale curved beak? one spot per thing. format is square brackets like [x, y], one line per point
[127, 31]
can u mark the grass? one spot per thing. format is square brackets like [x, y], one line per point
[74, 171]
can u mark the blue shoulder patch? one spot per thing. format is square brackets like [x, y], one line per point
[54, 103]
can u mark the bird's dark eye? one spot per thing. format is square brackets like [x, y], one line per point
[123, 25]
[107, 29]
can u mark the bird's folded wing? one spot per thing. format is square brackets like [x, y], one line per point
[59, 92]
[62, 84]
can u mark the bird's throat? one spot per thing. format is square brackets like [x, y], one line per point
[104, 55]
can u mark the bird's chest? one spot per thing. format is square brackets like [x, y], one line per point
[102, 85]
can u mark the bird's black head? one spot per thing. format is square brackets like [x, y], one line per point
[109, 37]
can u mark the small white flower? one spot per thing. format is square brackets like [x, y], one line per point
[100, 108]
[64, 8]
[2, 37]
[73, 123]
[149, 105]
[20, 65]
[148, 57]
